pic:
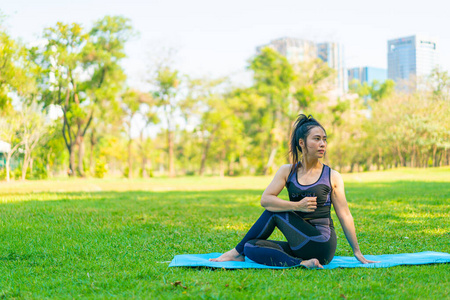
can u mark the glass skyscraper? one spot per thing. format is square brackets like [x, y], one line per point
[367, 74]
[295, 50]
[411, 59]
[333, 54]
[298, 50]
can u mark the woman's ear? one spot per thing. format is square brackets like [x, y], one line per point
[301, 143]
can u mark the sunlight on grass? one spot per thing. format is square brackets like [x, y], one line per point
[121, 232]
[232, 227]
[209, 183]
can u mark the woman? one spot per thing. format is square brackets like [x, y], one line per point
[305, 220]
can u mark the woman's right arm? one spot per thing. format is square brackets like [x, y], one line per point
[271, 202]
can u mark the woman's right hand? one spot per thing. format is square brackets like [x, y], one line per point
[307, 204]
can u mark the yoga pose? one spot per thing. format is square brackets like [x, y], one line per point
[305, 220]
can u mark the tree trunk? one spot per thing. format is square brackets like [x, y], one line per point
[435, 163]
[130, 162]
[30, 164]
[91, 153]
[380, 158]
[161, 164]
[222, 164]
[8, 168]
[25, 164]
[144, 167]
[231, 168]
[71, 172]
[270, 143]
[205, 154]
[400, 156]
[170, 144]
[47, 166]
[80, 156]
[271, 159]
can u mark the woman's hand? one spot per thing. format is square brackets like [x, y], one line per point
[363, 260]
[307, 204]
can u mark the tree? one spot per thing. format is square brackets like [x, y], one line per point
[80, 72]
[102, 55]
[32, 131]
[145, 144]
[313, 80]
[9, 133]
[440, 84]
[374, 91]
[273, 77]
[130, 100]
[14, 71]
[137, 104]
[167, 92]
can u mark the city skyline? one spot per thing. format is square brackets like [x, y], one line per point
[299, 50]
[217, 39]
[411, 58]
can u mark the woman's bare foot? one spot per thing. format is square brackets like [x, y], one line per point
[231, 255]
[312, 263]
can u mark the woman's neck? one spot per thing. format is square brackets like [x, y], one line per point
[310, 163]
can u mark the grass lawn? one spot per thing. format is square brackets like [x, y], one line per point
[111, 238]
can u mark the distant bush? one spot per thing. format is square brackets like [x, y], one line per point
[39, 171]
[100, 169]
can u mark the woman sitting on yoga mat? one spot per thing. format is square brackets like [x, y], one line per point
[305, 220]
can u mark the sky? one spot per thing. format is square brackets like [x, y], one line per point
[217, 38]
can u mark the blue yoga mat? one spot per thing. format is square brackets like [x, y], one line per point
[386, 261]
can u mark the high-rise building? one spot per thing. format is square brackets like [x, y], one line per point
[298, 50]
[333, 54]
[295, 50]
[411, 59]
[367, 74]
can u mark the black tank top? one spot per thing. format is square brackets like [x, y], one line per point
[320, 189]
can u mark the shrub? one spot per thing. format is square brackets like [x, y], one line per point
[100, 169]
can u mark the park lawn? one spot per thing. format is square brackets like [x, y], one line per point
[113, 238]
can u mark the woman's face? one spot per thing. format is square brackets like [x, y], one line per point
[316, 144]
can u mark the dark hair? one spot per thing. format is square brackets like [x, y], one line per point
[300, 130]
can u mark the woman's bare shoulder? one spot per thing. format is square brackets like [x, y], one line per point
[284, 171]
[336, 178]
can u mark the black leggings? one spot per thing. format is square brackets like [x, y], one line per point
[315, 239]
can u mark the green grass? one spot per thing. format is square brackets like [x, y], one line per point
[111, 238]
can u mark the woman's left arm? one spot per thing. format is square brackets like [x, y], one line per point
[345, 217]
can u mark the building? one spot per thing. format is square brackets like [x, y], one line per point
[411, 59]
[367, 74]
[295, 50]
[298, 50]
[5, 148]
[333, 54]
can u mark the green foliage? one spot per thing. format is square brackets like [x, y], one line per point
[126, 172]
[272, 73]
[39, 171]
[80, 72]
[100, 169]
[313, 80]
[209, 126]
[440, 84]
[16, 71]
[375, 91]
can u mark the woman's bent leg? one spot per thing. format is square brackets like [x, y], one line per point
[271, 253]
[304, 241]
[262, 229]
